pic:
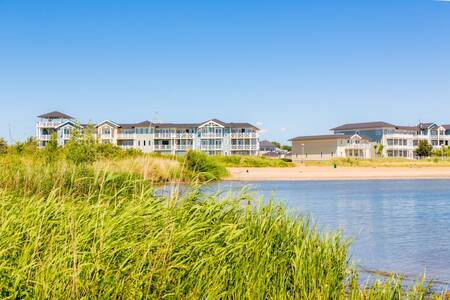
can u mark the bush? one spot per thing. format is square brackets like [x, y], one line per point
[204, 166]
[3, 146]
[424, 149]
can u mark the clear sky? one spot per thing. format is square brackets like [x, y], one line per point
[290, 67]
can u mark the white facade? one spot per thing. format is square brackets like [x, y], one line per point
[213, 137]
[397, 141]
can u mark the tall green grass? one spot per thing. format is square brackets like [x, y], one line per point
[68, 232]
[251, 161]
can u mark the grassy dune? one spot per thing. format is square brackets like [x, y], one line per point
[251, 162]
[71, 231]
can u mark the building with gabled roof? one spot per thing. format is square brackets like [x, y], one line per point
[213, 136]
[397, 140]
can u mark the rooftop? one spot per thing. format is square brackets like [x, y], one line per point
[321, 137]
[55, 115]
[367, 125]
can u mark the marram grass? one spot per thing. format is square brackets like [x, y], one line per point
[109, 236]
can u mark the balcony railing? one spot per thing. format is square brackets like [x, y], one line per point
[65, 136]
[236, 135]
[106, 136]
[44, 137]
[48, 124]
[184, 135]
[126, 136]
[183, 147]
[211, 147]
[161, 135]
[209, 135]
[163, 147]
[244, 147]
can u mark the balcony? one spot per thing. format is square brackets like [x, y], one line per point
[245, 135]
[211, 135]
[65, 136]
[163, 147]
[211, 147]
[44, 137]
[183, 147]
[48, 124]
[126, 136]
[244, 147]
[106, 136]
[185, 135]
[161, 135]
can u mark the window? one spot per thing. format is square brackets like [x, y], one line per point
[144, 143]
[106, 131]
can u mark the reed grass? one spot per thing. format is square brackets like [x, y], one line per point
[70, 232]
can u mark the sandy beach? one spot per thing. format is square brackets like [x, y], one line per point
[340, 173]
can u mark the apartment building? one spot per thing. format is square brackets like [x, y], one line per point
[213, 136]
[397, 141]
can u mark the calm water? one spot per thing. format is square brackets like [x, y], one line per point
[399, 226]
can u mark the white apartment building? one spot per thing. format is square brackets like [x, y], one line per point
[397, 141]
[213, 136]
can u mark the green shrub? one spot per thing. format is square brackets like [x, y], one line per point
[204, 166]
[3, 146]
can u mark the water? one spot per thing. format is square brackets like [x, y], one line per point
[397, 225]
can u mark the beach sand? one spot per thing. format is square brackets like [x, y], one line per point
[340, 173]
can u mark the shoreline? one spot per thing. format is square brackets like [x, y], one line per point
[314, 173]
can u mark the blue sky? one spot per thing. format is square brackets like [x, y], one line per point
[291, 67]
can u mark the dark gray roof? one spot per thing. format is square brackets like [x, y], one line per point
[55, 115]
[266, 144]
[175, 125]
[412, 128]
[321, 137]
[232, 125]
[367, 125]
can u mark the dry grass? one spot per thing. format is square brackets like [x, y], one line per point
[153, 169]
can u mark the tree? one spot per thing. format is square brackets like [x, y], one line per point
[3, 146]
[81, 148]
[424, 149]
[30, 146]
[276, 144]
[286, 148]
[51, 149]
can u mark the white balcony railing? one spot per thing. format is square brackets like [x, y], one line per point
[163, 147]
[126, 136]
[161, 135]
[211, 135]
[48, 124]
[251, 135]
[244, 147]
[65, 136]
[211, 147]
[44, 137]
[106, 136]
[183, 147]
[184, 135]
